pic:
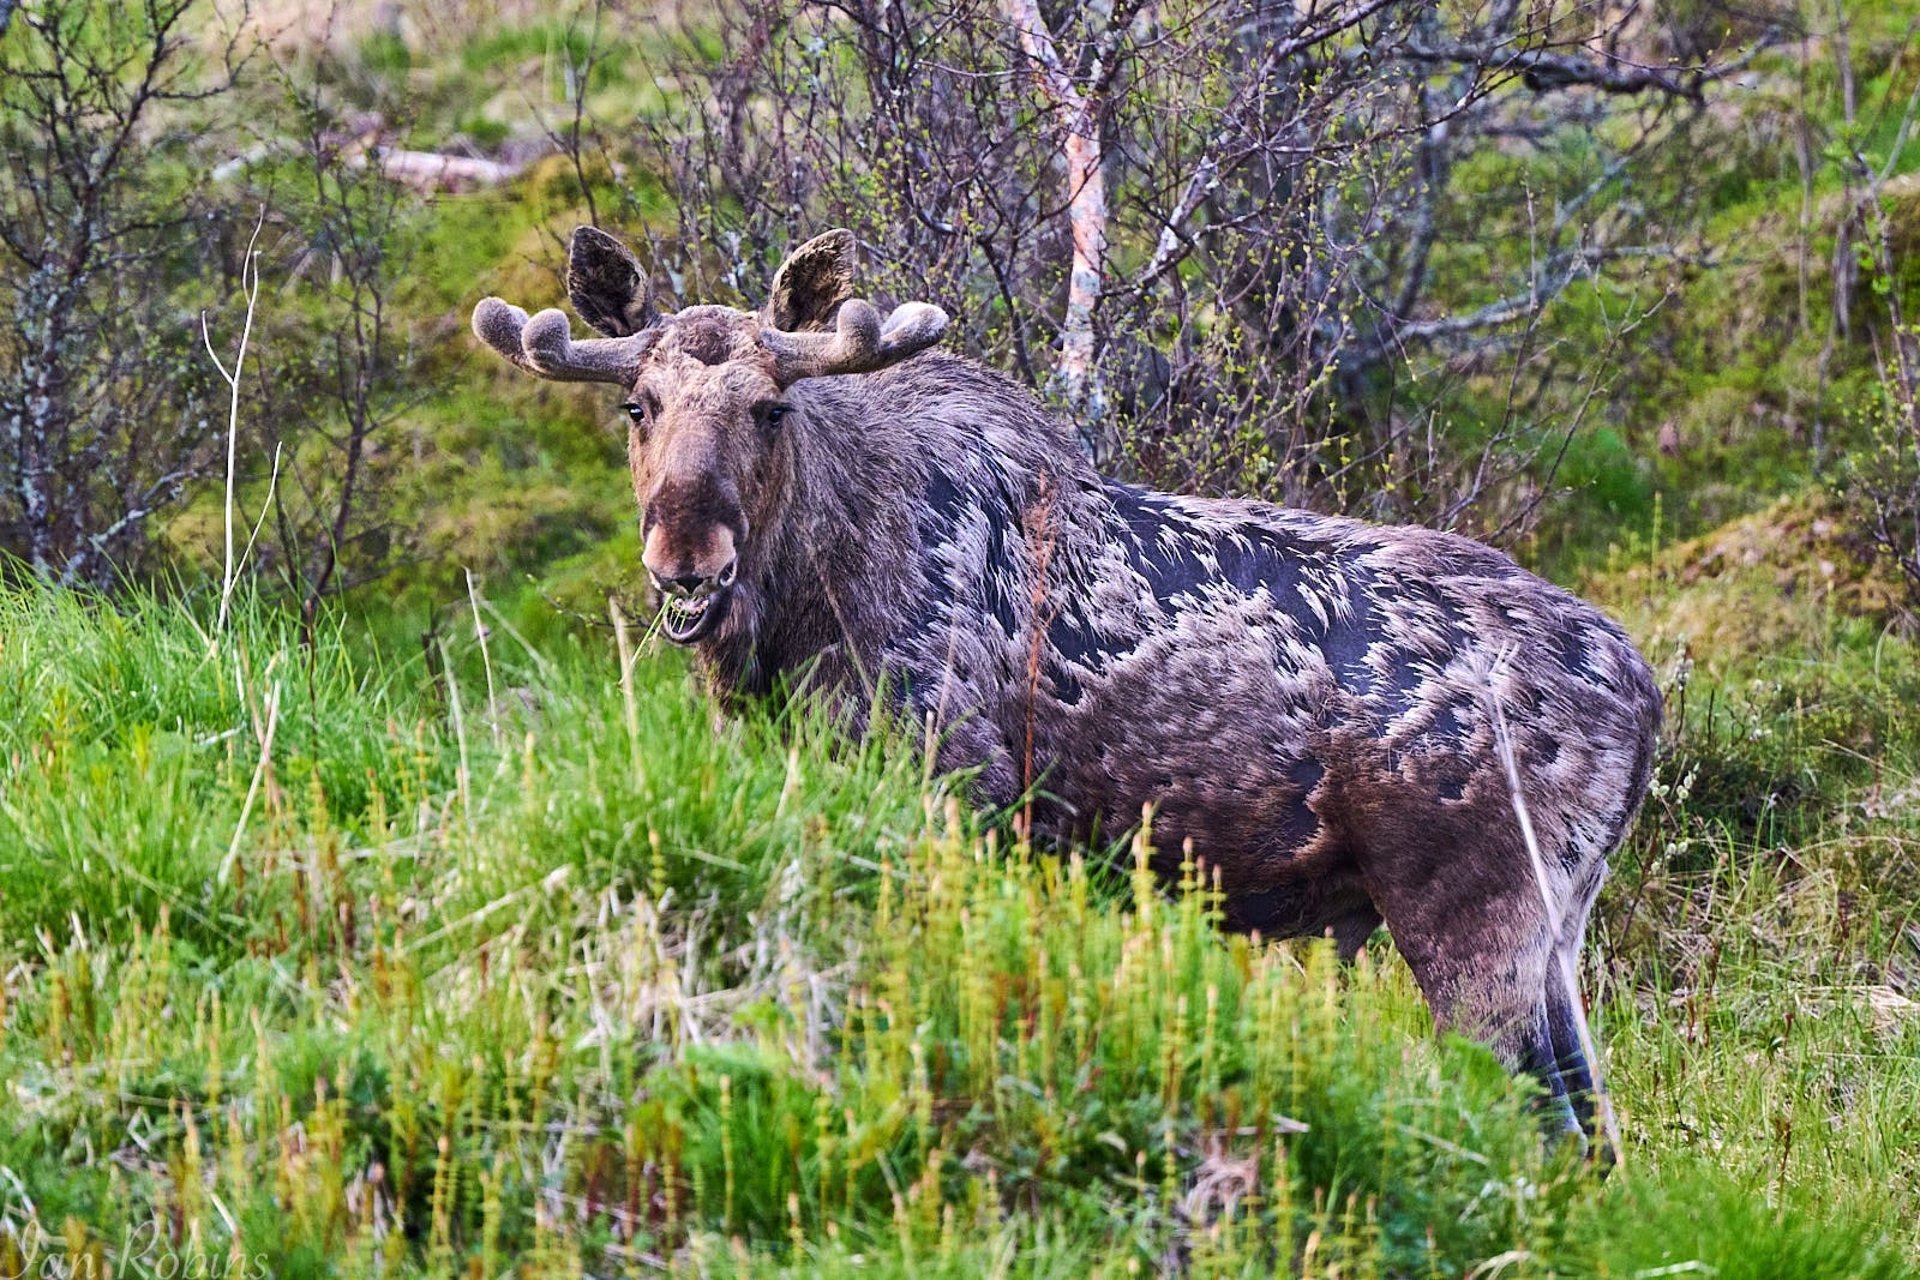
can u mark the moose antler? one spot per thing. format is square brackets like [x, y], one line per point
[860, 343]
[544, 345]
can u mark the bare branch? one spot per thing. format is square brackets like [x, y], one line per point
[250, 283]
[1545, 70]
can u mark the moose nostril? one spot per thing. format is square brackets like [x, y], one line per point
[685, 584]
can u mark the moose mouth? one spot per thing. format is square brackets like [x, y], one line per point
[685, 619]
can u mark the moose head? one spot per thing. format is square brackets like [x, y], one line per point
[713, 430]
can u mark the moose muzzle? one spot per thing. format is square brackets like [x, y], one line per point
[693, 565]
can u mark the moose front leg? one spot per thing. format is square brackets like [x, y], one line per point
[1480, 946]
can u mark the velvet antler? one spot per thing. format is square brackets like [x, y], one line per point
[859, 343]
[544, 345]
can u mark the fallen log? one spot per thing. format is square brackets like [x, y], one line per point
[431, 171]
[425, 171]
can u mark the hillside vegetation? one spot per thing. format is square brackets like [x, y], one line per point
[398, 927]
[335, 963]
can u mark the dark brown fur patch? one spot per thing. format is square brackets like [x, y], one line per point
[709, 339]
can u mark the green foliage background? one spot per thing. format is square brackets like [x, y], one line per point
[401, 952]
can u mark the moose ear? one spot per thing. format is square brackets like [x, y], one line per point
[607, 286]
[812, 283]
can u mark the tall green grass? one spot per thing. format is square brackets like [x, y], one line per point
[507, 967]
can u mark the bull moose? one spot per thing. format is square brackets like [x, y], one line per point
[1313, 701]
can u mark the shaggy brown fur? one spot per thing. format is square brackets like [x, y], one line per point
[1307, 698]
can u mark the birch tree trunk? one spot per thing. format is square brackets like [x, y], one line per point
[1077, 372]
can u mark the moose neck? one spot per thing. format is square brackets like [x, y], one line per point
[834, 551]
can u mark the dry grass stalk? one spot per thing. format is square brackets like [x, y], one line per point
[1565, 961]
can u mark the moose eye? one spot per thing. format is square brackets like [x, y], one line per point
[636, 413]
[777, 413]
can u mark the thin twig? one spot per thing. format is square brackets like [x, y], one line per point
[273, 483]
[259, 773]
[460, 736]
[632, 707]
[486, 659]
[250, 282]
